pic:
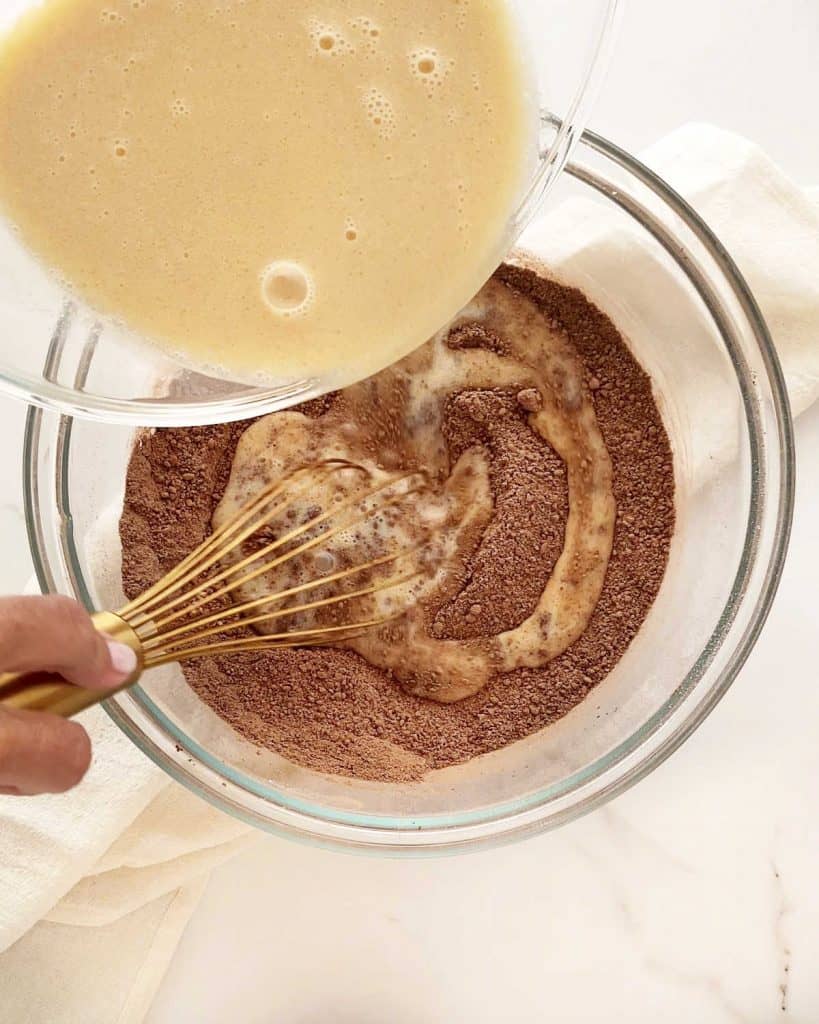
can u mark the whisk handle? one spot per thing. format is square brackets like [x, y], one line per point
[45, 691]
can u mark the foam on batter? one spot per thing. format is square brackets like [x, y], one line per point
[394, 423]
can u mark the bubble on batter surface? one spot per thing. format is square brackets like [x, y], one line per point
[179, 107]
[110, 17]
[461, 192]
[429, 67]
[368, 31]
[461, 8]
[380, 112]
[287, 288]
[350, 230]
[324, 561]
[328, 40]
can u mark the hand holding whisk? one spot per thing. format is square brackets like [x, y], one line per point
[291, 527]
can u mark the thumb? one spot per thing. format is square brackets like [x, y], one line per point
[55, 634]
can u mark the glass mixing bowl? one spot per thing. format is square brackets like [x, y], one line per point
[643, 255]
[129, 381]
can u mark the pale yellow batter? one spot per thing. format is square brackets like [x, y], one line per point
[278, 189]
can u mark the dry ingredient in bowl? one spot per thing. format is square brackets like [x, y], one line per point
[332, 710]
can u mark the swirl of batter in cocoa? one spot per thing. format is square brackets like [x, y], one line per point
[542, 439]
[500, 346]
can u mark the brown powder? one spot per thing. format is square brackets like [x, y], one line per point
[330, 710]
[525, 536]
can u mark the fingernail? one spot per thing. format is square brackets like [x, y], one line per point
[123, 659]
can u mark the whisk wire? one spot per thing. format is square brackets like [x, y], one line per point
[201, 558]
[208, 575]
[290, 638]
[220, 619]
[203, 593]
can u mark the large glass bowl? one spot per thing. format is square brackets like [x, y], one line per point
[644, 256]
[129, 381]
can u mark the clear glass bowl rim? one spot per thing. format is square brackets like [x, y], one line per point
[611, 774]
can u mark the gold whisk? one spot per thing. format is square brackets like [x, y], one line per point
[173, 621]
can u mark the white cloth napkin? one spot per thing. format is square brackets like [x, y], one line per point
[96, 886]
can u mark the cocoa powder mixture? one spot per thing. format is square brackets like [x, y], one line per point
[330, 710]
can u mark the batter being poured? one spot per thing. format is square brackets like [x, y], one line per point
[268, 190]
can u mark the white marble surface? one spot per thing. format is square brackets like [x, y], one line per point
[692, 898]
